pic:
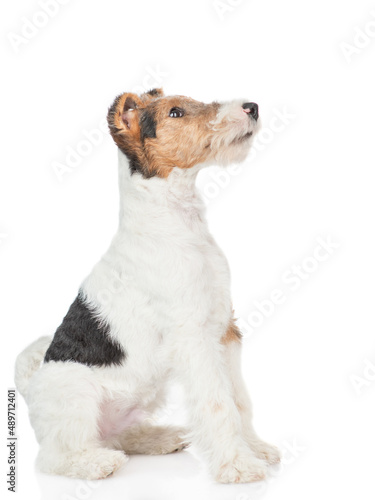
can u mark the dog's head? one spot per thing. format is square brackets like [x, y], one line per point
[158, 133]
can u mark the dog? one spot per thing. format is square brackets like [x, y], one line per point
[156, 308]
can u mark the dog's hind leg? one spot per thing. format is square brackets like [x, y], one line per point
[149, 439]
[91, 463]
[64, 403]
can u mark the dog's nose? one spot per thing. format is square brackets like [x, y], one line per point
[252, 109]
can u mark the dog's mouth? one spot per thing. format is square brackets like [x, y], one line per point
[236, 140]
[242, 138]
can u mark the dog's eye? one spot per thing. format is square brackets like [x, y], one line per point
[176, 113]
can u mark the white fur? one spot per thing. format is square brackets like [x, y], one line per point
[230, 124]
[164, 288]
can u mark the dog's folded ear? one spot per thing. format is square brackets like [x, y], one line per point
[154, 93]
[123, 122]
[128, 129]
[129, 115]
[131, 125]
[122, 116]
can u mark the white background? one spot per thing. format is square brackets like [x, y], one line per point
[309, 364]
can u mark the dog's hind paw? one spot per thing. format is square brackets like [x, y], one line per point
[96, 464]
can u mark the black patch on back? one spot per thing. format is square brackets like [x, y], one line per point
[83, 338]
[147, 124]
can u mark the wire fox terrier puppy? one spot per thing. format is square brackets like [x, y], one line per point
[157, 307]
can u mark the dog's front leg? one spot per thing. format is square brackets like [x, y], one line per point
[232, 343]
[215, 421]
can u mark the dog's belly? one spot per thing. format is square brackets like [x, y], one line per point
[116, 416]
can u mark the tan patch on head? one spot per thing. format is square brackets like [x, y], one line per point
[159, 133]
[181, 142]
[232, 334]
[154, 141]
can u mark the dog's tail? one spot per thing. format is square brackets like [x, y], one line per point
[29, 361]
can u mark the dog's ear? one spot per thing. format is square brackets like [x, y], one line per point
[123, 116]
[130, 123]
[125, 128]
[153, 94]
[123, 122]
[129, 114]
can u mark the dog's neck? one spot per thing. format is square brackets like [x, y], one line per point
[157, 198]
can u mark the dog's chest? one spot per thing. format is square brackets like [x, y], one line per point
[191, 269]
[165, 266]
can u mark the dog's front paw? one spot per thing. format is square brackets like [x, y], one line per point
[266, 451]
[243, 469]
